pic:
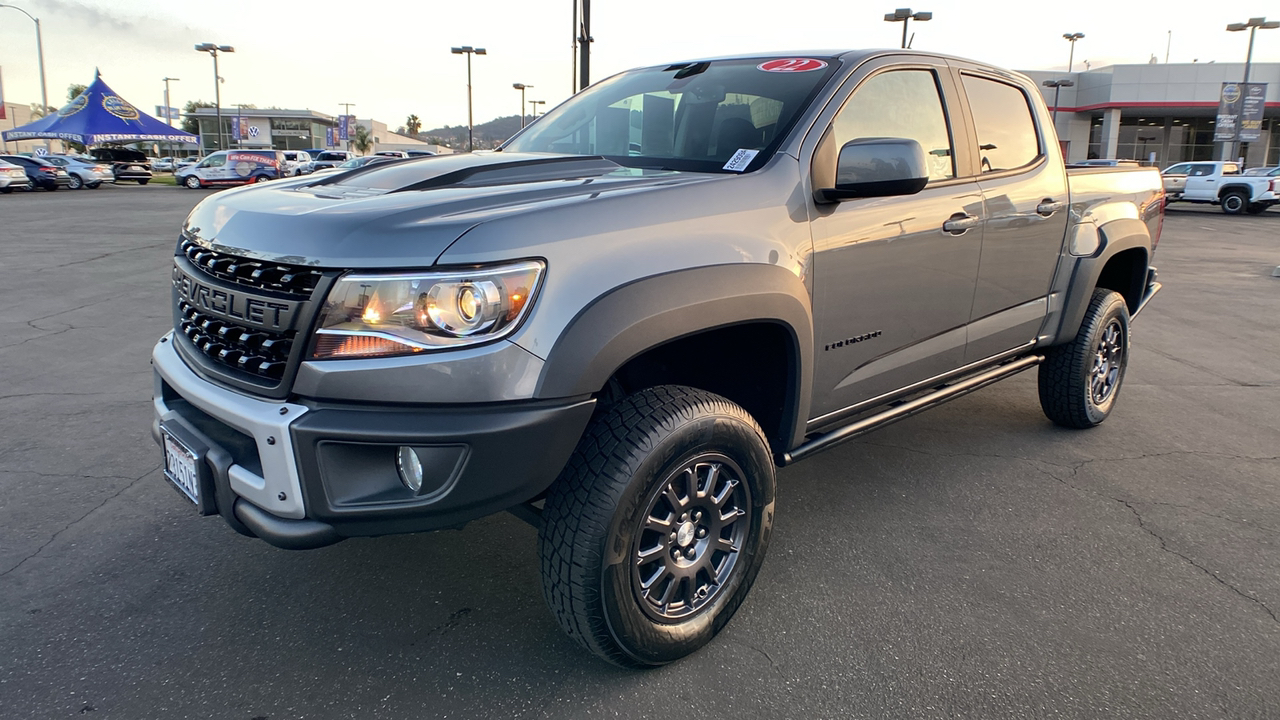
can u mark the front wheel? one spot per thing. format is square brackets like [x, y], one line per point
[1079, 381]
[655, 530]
[192, 182]
[1234, 202]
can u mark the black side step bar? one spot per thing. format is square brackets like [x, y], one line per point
[907, 409]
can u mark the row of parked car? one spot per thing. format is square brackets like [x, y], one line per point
[73, 171]
[242, 167]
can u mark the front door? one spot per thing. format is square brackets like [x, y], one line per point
[892, 288]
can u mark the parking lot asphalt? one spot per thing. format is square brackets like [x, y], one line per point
[974, 561]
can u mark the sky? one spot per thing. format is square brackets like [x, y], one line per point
[391, 58]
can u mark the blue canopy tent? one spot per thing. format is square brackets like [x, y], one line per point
[98, 115]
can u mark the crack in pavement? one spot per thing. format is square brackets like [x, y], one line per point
[75, 522]
[99, 257]
[1075, 468]
[1164, 546]
[1203, 369]
[772, 663]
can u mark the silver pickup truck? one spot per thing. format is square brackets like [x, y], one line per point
[622, 323]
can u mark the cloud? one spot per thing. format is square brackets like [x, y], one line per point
[92, 16]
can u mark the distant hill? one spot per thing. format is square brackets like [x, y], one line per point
[488, 135]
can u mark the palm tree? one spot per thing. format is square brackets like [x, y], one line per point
[363, 140]
[413, 125]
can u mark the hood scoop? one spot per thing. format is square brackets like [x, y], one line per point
[572, 167]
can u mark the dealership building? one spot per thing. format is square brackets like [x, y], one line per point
[291, 130]
[1161, 111]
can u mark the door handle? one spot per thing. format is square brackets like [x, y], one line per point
[960, 223]
[1049, 207]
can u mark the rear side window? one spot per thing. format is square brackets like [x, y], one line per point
[1007, 136]
[1200, 170]
[898, 103]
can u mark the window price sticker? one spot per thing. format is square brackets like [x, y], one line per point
[741, 160]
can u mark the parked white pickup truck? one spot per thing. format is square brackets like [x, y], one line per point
[1220, 183]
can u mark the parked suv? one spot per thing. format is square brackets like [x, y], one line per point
[126, 164]
[620, 324]
[233, 167]
[330, 159]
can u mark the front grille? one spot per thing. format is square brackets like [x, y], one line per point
[295, 281]
[251, 350]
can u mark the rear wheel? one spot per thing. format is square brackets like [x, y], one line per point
[51, 187]
[654, 532]
[74, 182]
[1079, 381]
[144, 181]
[259, 179]
[1234, 202]
[6, 190]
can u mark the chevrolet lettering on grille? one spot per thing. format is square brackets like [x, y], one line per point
[268, 313]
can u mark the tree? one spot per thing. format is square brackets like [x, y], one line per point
[413, 125]
[189, 123]
[74, 90]
[363, 140]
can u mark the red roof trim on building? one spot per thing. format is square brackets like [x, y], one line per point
[1104, 106]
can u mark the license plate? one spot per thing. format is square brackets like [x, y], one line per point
[180, 468]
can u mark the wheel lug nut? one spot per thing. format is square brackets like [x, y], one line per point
[689, 554]
[702, 532]
[697, 515]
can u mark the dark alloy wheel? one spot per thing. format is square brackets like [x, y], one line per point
[657, 527]
[690, 537]
[1234, 202]
[1079, 381]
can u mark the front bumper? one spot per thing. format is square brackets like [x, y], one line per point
[305, 474]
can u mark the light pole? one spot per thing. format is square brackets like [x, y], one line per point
[534, 109]
[44, 93]
[1252, 26]
[1057, 86]
[521, 87]
[1072, 38]
[167, 116]
[213, 49]
[903, 15]
[469, 51]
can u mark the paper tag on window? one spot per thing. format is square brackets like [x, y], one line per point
[741, 160]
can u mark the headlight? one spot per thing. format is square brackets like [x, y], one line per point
[403, 314]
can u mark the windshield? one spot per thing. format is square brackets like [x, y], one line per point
[717, 116]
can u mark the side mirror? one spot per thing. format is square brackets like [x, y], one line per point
[878, 167]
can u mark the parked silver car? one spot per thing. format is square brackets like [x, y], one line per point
[12, 177]
[82, 172]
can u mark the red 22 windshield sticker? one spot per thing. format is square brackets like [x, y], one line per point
[791, 65]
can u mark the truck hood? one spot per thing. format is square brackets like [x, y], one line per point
[404, 214]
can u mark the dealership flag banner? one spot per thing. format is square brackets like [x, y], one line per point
[328, 137]
[1251, 108]
[342, 127]
[99, 115]
[2, 94]
[1240, 112]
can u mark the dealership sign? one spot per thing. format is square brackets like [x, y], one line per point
[1240, 109]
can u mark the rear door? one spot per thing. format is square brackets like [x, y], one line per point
[892, 288]
[1024, 190]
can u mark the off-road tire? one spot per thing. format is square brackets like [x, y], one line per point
[596, 512]
[1067, 393]
[1234, 202]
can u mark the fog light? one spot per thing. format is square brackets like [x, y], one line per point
[410, 468]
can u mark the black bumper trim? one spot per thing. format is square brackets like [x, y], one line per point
[283, 533]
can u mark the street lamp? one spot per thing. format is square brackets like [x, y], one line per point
[534, 109]
[167, 115]
[213, 49]
[1072, 38]
[469, 51]
[44, 93]
[1057, 86]
[521, 87]
[1252, 26]
[903, 15]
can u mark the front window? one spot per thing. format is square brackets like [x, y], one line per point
[214, 161]
[720, 116]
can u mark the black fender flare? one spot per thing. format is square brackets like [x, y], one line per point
[1117, 236]
[644, 314]
[1248, 190]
